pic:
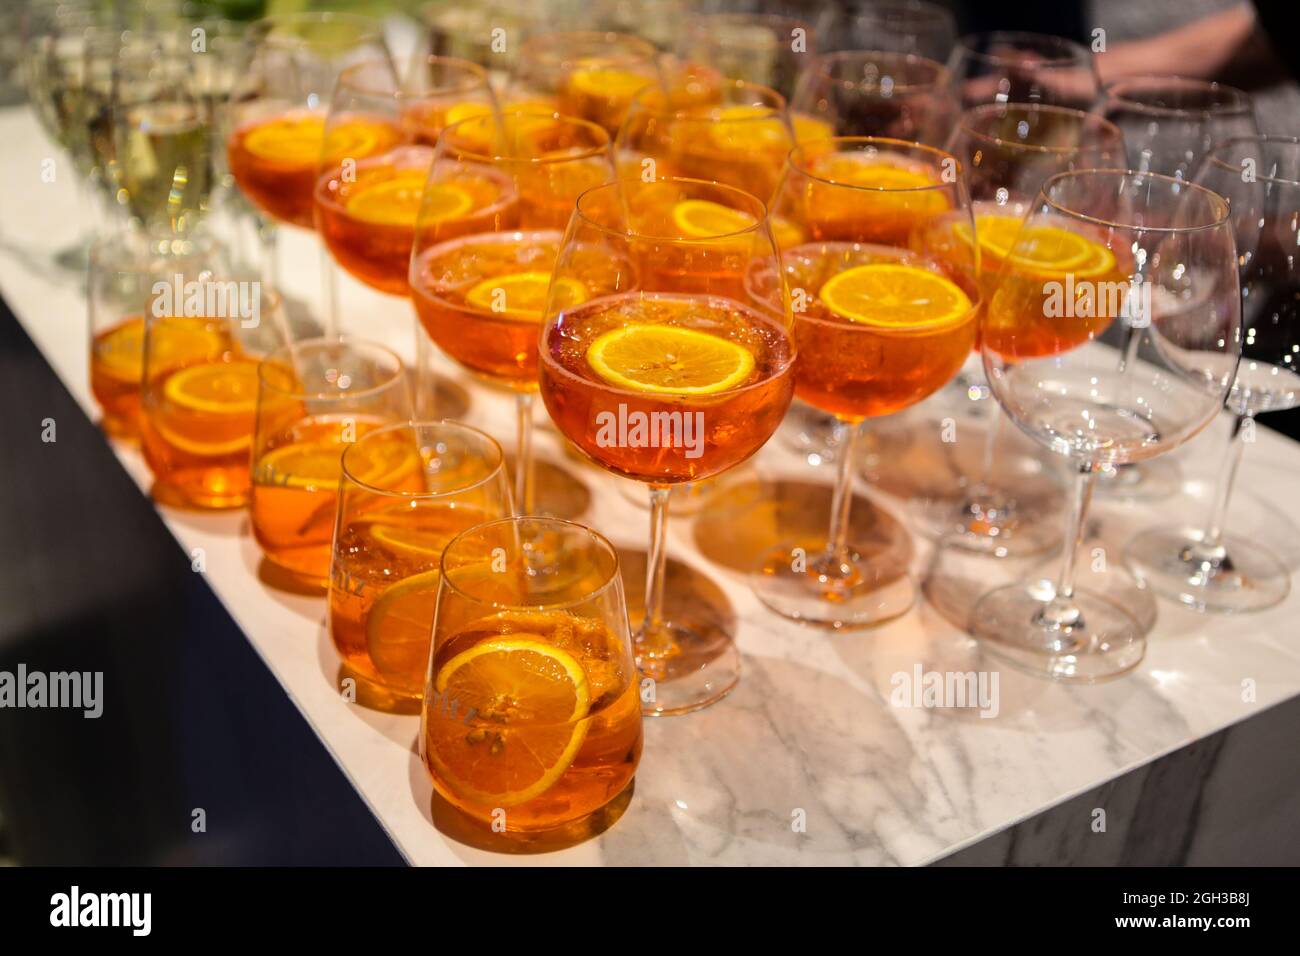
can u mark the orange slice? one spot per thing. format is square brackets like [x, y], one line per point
[309, 466]
[396, 201]
[292, 140]
[215, 388]
[741, 128]
[704, 219]
[120, 351]
[668, 360]
[608, 83]
[530, 701]
[895, 297]
[523, 295]
[399, 628]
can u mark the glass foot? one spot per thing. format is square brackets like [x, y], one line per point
[1236, 577]
[691, 666]
[1156, 479]
[1093, 640]
[997, 524]
[866, 588]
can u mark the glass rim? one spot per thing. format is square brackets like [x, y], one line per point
[573, 122]
[1087, 119]
[776, 109]
[1266, 139]
[321, 342]
[596, 536]
[1234, 102]
[1070, 49]
[400, 65]
[761, 221]
[942, 75]
[796, 155]
[496, 468]
[1214, 198]
[554, 42]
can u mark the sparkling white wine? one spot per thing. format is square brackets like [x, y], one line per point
[164, 162]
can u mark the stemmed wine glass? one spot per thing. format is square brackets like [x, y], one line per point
[678, 373]
[1017, 67]
[878, 93]
[900, 26]
[276, 120]
[886, 305]
[765, 49]
[1008, 151]
[1152, 254]
[489, 228]
[1207, 567]
[1171, 122]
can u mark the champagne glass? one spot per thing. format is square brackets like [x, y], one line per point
[162, 140]
[531, 719]
[878, 93]
[1148, 252]
[1171, 122]
[900, 26]
[1009, 150]
[1017, 67]
[886, 311]
[764, 49]
[276, 119]
[489, 230]
[1207, 567]
[681, 371]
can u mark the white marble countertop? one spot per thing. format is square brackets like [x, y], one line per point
[811, 727]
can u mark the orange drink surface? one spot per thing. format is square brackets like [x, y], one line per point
[1051, 289]
[881, 328]
[275, 160]
[665, 387]
[116, 368]
[369, 224]
[295, 490]
[481, 298]
[534, 713]
[199, 403]
[894, 196]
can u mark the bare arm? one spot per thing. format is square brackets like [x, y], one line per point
[1202, 48]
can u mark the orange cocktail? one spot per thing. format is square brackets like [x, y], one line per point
[116, 367]
[407, 490]
[531, 718]
[275, 159]
[199, 400]
[709, 372]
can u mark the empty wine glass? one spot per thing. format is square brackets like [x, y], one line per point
[1171, 122]
[760, 48]
[1008, 151]
[1016, 67]
[1147, 252]
[1206, 567]
[901, 26]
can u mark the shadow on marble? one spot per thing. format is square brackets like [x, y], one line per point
[750, 518]
[373, 704]
[558, 491]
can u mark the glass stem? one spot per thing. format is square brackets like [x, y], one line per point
[651, 640]
[992, 440]
[268, 241]
[329, 287]
[1213, 537]
[1061, 611]
[837, 539]
[423, 374]
[524, 502]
